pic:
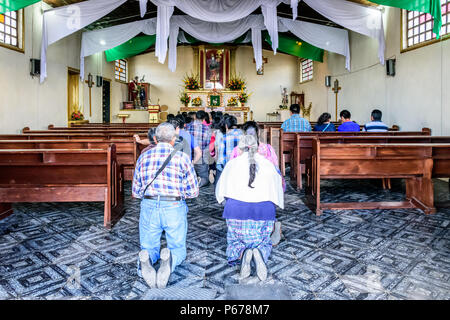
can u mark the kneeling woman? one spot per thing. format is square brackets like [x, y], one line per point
[252, 188]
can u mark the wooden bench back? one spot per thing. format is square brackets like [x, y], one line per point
[124, 149]
[412, 161]
[73, 136]
[62, 175]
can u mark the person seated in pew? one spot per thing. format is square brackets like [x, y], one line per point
[324, 123]
[347, 124]
[163, 206]
[251, 188]
[296, 123]
[375, 124]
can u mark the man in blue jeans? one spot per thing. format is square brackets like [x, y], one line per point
[163, 206]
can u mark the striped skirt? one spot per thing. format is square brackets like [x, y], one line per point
[245, 234]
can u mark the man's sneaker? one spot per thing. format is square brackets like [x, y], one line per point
[245, 266]
[276, 234]
[148, 272]
[261, 269]
[163, 274]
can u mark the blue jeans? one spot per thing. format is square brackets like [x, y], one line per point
[158, 216]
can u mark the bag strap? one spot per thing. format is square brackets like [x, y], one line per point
[177, 148]
[326, 127]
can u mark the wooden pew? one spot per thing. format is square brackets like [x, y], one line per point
[91, 124]
[303, 148]
[267, 129]
[124, 149]
[105, 127]
[73, 136]
[413, 162]
[42, 175]
[287, 140]
[27, 130]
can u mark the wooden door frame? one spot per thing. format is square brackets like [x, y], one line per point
[71, 71]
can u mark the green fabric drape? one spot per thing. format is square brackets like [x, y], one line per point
[433, 7]
[286, 44]
[13, 5]
[130, 48]
[289, 45]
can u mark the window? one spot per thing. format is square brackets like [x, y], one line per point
[121, 70]
[306, 70]
[418, 26]
[11, 30]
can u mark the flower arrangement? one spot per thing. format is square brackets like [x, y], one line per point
[77, 115]
[185, 98]
[197, 101]
[232, 101]
[236, 83]
[243, 97]
[191, 82]
[306, 110]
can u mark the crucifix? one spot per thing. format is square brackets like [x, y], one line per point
[336, 89]
[90, 83]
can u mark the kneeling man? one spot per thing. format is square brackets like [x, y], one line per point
[163, 206]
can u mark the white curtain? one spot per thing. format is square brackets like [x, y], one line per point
[60, 22]
[143, 7]
[108, 38]
[327, 38]
[216, 33]
[358, 18]
[218, 11]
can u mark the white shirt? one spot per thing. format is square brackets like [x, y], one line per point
[233, 182]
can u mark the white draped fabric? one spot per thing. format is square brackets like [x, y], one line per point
[327, 38]
[218, 11]
[60, 22]
[108, 38]
[358, 18]
[216, 33]
[143, 7]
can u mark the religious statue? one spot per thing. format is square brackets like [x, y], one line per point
[133, 89]
[142, 94]
[137, 92]
[214, 66]
[284, 98]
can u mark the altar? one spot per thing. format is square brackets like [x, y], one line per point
[214, 85]
[226, 101]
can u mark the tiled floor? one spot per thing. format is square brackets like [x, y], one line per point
[377, 254]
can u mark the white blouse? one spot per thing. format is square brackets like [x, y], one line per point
[233, 182]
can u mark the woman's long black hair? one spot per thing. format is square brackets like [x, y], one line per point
[323, 118]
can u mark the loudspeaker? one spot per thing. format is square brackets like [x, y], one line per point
[328, 81]
[35, 67]
[99, 81]
[390, 67]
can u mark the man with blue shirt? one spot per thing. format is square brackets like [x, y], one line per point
[347, 124]
[376, 125]
[296, 123]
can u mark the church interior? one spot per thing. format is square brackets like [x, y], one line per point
[80, 78]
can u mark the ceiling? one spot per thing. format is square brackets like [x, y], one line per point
[129, 12]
